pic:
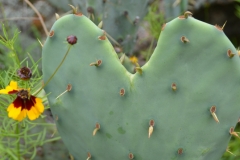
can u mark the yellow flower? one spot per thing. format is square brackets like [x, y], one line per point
[24, 104]
[134, 59]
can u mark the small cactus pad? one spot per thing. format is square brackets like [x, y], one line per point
[163, 112]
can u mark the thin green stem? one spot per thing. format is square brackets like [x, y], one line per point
[18, 143]
[4, 16]
[17, 59]
[43, 124]
[52, 140]
[55, 70]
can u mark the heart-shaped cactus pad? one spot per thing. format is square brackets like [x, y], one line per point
[182, 104]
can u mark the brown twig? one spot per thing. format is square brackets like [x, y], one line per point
[39, 16]
[17, 18]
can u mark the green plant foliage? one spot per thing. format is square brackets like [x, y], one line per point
[8, 43]
[19, 140]
[237, 9]
[233, 148]
[155, 19]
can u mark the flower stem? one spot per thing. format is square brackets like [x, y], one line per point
[52, 140]
[18, 143]
[17, 60]
[55, 70]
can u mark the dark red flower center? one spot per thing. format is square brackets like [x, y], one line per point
[23, 94]
[24, 100]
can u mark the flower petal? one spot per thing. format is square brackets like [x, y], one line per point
[33, 113]
[13, 112]
[22, 115]
[10, 89]
[39, 105]
[10, 107]
[18, 102]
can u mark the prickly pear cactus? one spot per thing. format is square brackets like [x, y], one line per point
[173, 8]
[183, 104]
[120, 18]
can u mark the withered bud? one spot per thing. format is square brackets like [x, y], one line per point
[90, 10]
[24, 73]
[72, 39]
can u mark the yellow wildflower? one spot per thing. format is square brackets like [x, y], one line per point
[24, 104]
[134, 59]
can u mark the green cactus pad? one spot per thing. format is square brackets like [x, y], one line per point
[164, 113]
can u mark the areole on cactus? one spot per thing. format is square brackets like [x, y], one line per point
[183, 105]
